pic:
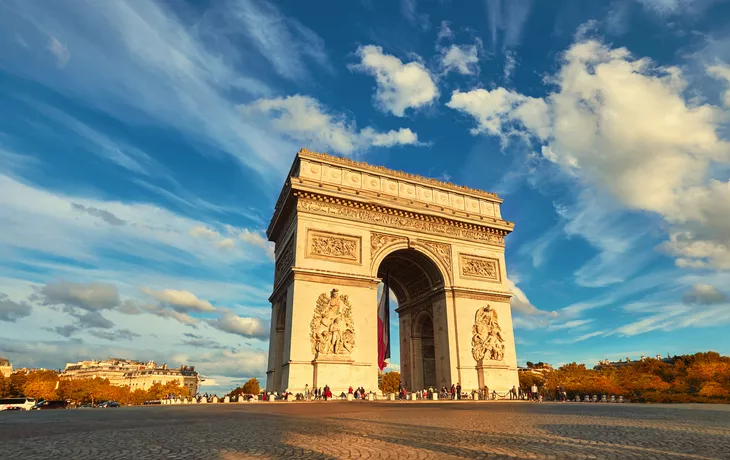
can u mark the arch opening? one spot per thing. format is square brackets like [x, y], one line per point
[418, 286]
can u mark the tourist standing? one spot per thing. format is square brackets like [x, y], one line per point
[533, 390]
[458, 391]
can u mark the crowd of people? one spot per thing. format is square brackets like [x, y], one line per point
[455, 392]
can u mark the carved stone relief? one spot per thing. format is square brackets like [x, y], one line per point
[284, 261]
[379, 241]
[487, 341]
[442, 250]
[333, 246]
[377, 217]
[332, 330]
[479, 267]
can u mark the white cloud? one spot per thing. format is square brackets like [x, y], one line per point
[204, 232]
[243, 326]
[462, 59]
[409, 8]
[59, 50]
[140, 62]
[510, 63]
[521, 304]
[500, 111]
[677, 7]
[509, 17]
[179, 300]
[622, 126]
[304, 119]
[86, 296]
[399, 86]
[253, 238]
[573, 324]
[11, 311]
[579, 338]
[722, 72]
[226, 243]
[283, 41]
[704, 294]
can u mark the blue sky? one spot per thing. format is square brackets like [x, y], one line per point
[143, 145]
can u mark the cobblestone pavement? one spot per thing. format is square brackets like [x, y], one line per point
[392, 430]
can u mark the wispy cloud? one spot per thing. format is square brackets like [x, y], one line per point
[140, 62]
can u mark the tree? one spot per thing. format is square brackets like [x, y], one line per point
[41, 385]
[390, 383]
[251, 387]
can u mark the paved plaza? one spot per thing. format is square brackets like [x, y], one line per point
[393, 430]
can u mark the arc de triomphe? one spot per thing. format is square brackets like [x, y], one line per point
[339, 226]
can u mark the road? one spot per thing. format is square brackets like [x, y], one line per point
[360, 429]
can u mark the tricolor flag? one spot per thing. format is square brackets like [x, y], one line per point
[384, 324]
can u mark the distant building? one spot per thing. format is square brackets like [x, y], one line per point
[133, 374]
[621, 363]
[536, 369]
[5, 367]
[143, 379]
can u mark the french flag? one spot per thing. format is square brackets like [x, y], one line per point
[384, 324]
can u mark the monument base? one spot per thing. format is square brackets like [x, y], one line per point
[334, 371]
[496, 376]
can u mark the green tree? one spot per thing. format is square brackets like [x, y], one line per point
[390, 383]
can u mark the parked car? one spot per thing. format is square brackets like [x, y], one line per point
[49, 405]
[86, 406]
[109, 404]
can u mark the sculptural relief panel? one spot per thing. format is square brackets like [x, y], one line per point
[333, 246]
[397, 221]
[442, 250]
[381, 241]
[332, 329]
[487, 341]
[284, 261]
[479, 267]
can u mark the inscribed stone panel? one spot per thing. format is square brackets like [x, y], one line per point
[479, 267]
[333, 246]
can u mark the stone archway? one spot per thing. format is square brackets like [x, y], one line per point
[418, 285]
[339, 225]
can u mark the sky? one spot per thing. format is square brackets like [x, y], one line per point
[143, 145]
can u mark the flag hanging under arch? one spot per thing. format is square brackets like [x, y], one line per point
[384, 324]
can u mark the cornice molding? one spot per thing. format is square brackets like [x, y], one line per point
[360, 165]
[390, 217]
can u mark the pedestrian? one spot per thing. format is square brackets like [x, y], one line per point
[458, 391]
[513, 393]
[533, 390]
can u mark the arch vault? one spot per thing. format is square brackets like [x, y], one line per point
[339, 226]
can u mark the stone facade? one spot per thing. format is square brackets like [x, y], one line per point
[6, 369]
[133, 374]
[339, 226]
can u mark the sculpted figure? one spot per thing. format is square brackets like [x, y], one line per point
[487, 341]
[332, 330]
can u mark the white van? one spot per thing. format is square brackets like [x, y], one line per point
[22, 403]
